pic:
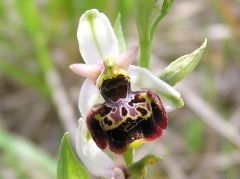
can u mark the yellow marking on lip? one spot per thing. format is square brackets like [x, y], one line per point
[98, 117]
[115, 124]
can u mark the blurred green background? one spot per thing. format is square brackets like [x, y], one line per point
[39, 94]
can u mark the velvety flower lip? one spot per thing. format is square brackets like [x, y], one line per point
[132, 116]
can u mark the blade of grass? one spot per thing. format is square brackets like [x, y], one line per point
[31, 80]
[32, 23]
[124, 9]
[10, 160]
[25, 151]
[61, 13]
[1, 8]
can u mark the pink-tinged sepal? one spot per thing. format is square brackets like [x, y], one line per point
[127, 58]
[88, 71]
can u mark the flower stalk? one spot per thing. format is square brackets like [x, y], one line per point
[142, 13]
[145, 50]
[147, 20]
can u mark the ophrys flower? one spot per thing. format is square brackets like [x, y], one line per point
[119, 102]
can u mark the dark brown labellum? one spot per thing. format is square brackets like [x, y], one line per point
[125, 116]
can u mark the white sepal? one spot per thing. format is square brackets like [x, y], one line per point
[96, 37]
[143, 78]
[94, 159]
[89, 96]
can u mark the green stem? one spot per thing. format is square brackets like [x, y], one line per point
[145, 48]
[128, 156]
[165, 8]
[154, 25]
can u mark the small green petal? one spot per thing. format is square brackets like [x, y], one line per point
[180, 68]
[138, 169]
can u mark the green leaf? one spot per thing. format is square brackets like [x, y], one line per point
[128, 155]
[138, 169]
[68, 166]
[20, 154]
[167, 4]
[142, 10]
[30, 19]
[147, 23]
[183, 66]
[119, 33]
[124, 7]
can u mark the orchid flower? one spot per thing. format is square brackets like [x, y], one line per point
[119, 103]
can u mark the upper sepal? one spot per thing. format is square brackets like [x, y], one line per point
[96, 37]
